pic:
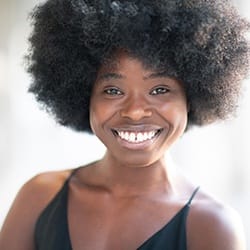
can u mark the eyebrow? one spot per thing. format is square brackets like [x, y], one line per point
[157, 75]
[108, 76]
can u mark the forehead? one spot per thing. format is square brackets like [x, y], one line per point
[123, 65]
[124, 62]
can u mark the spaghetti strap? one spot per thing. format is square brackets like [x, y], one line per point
[72, 173]
[192, 196]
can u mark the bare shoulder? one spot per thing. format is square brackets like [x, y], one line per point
[33, 197]
[44, 185]
[214, 225]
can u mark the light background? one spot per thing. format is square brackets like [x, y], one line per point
[215, 157]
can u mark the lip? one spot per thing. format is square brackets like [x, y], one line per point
[137, 145]
[137, 128]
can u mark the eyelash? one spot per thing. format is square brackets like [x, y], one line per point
[163, 90]
[113, 91]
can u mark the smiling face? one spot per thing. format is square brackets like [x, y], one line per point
[137, 113]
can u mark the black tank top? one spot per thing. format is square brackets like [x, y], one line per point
[52, 233]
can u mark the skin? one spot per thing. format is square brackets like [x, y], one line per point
[134, 184]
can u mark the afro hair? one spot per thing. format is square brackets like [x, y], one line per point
[200, 42]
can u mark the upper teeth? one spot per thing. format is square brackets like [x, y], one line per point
[136, 136]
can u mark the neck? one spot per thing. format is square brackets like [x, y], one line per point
[126, 180]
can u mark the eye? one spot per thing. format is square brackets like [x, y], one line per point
[161, 90]
[113, 91]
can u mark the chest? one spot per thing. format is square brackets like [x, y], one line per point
[102, 223]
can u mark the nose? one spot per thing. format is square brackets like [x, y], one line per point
[136, 108]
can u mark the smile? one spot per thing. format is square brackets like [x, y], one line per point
[137, 137]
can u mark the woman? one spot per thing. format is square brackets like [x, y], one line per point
[137, 74]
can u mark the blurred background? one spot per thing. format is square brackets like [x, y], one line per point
[216, 157]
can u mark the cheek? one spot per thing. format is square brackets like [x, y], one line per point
[176, 113]
[94, 118]
[99, 114]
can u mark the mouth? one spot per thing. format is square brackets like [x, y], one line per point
[136, 137]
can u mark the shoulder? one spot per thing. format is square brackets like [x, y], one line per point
[214, 225]
[44, 185]
[33, 197]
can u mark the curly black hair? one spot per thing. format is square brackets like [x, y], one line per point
[200, 42]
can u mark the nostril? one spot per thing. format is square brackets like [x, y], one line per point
[136, 113]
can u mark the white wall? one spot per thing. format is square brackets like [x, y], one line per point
[215, 157]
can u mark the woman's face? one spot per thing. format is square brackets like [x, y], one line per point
[137, 113]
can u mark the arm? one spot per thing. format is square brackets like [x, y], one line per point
[17, 232]
[213, 226]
